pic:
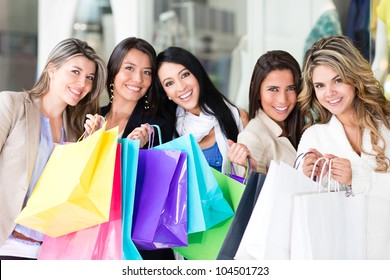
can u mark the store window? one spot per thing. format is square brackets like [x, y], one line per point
[18, 44]
[211, 30]
[227, 36]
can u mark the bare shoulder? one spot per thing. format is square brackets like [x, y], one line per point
[244, 117]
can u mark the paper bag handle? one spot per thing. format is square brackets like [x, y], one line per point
[151, 135]
[330, 180]
[98, 119]
[233, 172]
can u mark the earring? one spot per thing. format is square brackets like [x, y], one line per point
[146, 102]
[112, 92]
[169, 98]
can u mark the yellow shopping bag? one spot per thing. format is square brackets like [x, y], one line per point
[74, 190]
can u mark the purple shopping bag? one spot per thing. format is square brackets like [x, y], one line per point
[160, 207]
[232, 174]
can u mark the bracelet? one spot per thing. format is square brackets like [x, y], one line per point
[348, 190]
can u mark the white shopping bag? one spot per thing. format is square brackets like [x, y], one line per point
[268, 233]
[328, 226]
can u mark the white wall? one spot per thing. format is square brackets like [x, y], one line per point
[284, 24]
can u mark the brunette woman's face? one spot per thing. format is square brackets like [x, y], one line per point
[180, 85]
[278, 95]
[134, 76]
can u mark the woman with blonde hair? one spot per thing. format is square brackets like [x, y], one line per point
[349, 122]
[31, 122]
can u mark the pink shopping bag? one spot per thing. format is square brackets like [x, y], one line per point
[101, 242]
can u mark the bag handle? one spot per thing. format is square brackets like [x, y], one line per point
[330, 180]
[151, 135]
[322, 171]
[98, 119]
[299, 159]
[233, 172]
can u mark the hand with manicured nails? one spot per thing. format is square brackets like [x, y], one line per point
[238, 153]
[141, 133]
[341, 170]
[93, 123]
[308, 163]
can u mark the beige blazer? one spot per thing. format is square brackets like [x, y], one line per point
[263, 138]
[19, 142]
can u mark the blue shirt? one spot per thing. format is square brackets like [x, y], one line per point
[45, 149]
[213, 156]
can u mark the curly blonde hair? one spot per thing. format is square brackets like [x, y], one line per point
[370, 104]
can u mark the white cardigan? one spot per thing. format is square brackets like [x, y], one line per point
[330, 138]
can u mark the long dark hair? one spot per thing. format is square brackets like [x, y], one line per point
[211, 100]
[116, 59]
[268, 62]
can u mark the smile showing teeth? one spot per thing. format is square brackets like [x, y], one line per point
[280, 109]
[184, 96]
[334, 101]
[133, 88]
[74, 91]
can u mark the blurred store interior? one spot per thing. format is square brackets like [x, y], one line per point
[226, 35]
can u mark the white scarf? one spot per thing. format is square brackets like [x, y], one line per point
[198, 126]
[201, 125]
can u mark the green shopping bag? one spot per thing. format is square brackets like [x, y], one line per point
[205, 245]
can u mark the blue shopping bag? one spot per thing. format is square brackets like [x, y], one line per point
[130, 151]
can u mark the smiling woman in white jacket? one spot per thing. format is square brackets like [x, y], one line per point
[349, 121]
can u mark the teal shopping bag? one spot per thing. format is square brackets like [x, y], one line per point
[130, 150]
[206, 203]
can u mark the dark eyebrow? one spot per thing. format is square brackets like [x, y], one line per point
[80, 69]
[179, 74]
[126, 62]
[184, 69]
[133, 64]
[335, 77]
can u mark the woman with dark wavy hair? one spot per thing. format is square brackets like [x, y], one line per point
[349, 122]
[275, 125]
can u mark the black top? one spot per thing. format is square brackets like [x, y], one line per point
[141, 116]
[138, 117]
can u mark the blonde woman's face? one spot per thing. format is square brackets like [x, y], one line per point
[332, 93]
[73, 80]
